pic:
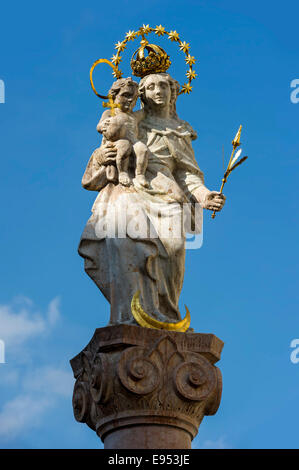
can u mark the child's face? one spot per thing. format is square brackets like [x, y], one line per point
[126, 98]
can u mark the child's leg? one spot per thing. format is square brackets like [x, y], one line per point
[124, 150]
[141, 153]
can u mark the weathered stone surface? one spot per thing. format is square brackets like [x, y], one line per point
[135, 237]
[145, 388]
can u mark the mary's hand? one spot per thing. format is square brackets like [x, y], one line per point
[107, 154]
[214, 201]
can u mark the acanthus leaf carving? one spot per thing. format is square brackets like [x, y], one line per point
[159, 380]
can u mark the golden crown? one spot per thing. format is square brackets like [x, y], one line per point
[156, 61]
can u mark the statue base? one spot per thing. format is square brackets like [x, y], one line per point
[142, 388]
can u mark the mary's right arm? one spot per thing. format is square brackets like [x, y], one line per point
[94, 178]
[100, 169]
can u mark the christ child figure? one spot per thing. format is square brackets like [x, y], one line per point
[121, 129]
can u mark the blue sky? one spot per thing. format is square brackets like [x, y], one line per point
[241, 285]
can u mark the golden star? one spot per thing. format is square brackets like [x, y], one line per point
[117, 74]
[184, 47]
[120, 46]
[145, 29]
[173, 36]
[191, 74]
[190, 59]
[115, 59]
[186, 88]
[160, 30]
[131, 35]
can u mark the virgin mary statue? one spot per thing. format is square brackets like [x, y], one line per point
[134, 239]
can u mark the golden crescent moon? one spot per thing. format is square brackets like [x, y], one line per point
[143, 319]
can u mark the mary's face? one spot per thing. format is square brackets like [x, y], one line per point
[157, 91]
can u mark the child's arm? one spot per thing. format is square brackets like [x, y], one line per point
[103, 121]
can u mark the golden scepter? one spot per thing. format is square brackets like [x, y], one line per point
[232, 162]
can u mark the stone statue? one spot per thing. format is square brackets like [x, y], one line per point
[120, 266]
[146, 380]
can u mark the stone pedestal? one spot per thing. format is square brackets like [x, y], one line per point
[141, 388]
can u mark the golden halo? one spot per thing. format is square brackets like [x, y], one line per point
[115, 71]
[144, 30]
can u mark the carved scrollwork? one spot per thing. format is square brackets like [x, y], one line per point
[213, 404]
[137, 372]
[100, 385]
[195, 379]
[156, 380]
[81, 401]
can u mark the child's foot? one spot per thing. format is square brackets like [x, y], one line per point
[124, 178]
[142, 181]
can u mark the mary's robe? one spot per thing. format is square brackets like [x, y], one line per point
[135, 237]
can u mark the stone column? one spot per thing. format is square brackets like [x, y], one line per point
[142, 388]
